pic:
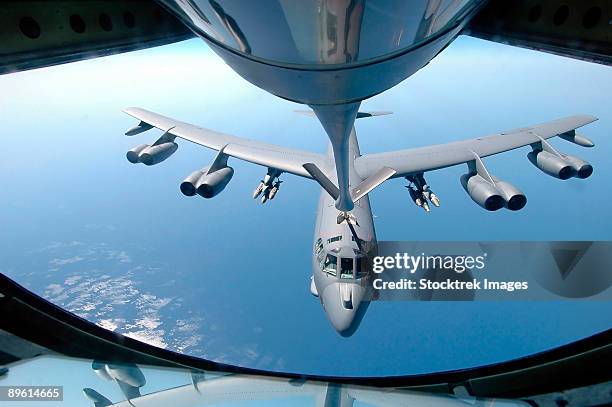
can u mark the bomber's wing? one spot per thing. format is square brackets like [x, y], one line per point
[486, 190]
[258, 152]
[421, 159]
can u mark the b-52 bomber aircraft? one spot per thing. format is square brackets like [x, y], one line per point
[345, 238]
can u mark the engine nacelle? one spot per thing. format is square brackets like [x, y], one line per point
[482, 192]
[209, 185]
[552, 165]
[583, 168]
[576, 138]
[127, 373]
[133, 154]
[514, 198]
[100, 369]
[190, 185]
[155, 154]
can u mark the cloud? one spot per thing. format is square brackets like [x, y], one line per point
[55, 264]
[53, 290]
[105, 290]
[72, 280]
[110, 324]
[57, 245]
[120, 256]
[154, 338]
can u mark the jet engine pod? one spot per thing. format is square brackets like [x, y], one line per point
[127, 373]
[100, 369]
[190, 185]
[212, 183]
[577, 139]
[155, 154]
[133, 154]
[482, 192]
[514, 197]
[583, 168]
[551, 164]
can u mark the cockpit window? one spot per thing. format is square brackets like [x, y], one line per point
[318, 246]
[346, 267]
[331, 265]
[319, 252]
[361, 267]
[334, 239]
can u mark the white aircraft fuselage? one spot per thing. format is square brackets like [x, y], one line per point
[340, 276]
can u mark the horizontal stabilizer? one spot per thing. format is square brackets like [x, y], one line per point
[360, 115]
[322, 179]
[372, 182]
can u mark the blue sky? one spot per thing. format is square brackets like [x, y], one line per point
[227, 278]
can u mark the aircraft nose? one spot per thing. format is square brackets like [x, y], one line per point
[341, 320]
[344, 306]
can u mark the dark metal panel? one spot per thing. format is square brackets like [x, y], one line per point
[35, 33]
[13, 348]
[580, 29]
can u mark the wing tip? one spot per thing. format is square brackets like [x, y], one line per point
[589, 118]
